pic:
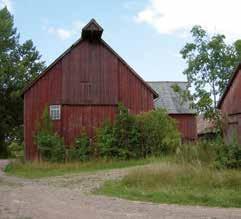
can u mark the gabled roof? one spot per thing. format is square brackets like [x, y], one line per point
[169, 99]
[91, 25]
[230, 82]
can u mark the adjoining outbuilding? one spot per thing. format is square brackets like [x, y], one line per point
[178, 109]
[82, 88]
[230, 106]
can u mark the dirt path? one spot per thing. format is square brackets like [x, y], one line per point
[68, 197]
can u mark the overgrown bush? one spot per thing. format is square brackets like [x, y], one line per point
[105, 141]
[159, 134]
[229, 155]
[215, 153]
[16, 150]
[49, 143]
[81, 150]
[148, 134]
[121, 139]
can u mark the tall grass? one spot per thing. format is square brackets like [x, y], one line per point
[180, 184]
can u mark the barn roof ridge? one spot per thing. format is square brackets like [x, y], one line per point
[230, 82]
[155, 94]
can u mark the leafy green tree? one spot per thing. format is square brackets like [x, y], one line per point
[210, 62]
[19, 64]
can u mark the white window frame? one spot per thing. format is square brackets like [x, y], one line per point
[55, 112]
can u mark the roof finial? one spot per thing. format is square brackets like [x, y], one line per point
[92, 30]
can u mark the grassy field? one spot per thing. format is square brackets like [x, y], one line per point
[34, 170]
[168, 182]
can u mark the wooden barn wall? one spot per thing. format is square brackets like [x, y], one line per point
[132, 92]
[231, 110]
[75, 118]
[187, 125]
[232, 101]
[47, 90]
[90, 75]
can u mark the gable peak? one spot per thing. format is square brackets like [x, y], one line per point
[92, 30]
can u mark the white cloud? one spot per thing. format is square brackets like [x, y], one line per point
[64, 34]
[178, 16]
[60, 33]
[7, 3]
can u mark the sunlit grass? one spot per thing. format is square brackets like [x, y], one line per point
[180, 184]
[33, 170]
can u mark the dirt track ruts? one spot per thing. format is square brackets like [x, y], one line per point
[69, 197]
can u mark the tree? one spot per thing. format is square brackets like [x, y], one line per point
[210, 62]
[19, 64]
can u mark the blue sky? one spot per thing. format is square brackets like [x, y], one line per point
[148, 34]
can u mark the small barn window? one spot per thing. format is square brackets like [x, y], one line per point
[54, 112]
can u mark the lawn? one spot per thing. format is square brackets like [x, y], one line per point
[168, 182]
[34, 170]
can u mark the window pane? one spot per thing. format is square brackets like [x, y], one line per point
[55, 112]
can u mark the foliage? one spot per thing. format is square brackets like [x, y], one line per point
[215, 153]
[187, 184]
[121, 139]
[105, 141]
[229, 155]
[210, 63]
[158, 133]
[16, 150]
[148, 134]
[19, 64]
[50, 145]
[125, 134]
[81, 149]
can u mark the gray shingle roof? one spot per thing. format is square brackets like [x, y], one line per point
[169, 99]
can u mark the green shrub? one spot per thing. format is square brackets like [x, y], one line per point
[50, 144]
[214, 153]
[159, 134]
[81, 149]
[149, 134]
[105, 141]
[16, 150]
[121, 139]
[229, 155]
[126, 134]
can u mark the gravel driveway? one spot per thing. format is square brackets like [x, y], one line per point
[68, 197]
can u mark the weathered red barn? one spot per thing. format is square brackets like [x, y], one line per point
[176, 108]
[230, 105]
[82, 88]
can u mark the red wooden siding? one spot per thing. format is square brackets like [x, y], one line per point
[187, 125]
[232, 102]
[89, 117]
[47, 90]
[132, 92]
[231, 109]
[92, 72]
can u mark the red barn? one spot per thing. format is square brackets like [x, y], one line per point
[176, 108]
[230, 105]
[82, 88]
